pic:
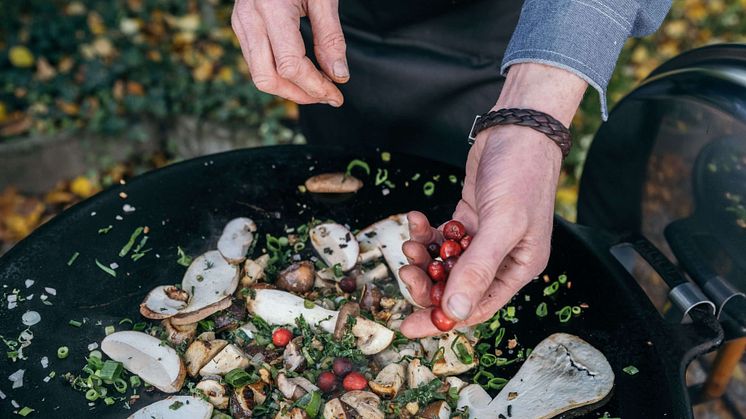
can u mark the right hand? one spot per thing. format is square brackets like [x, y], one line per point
[268, 31]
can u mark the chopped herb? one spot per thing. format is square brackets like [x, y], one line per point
[386, 156]
[105, 230]
[381, 176]
[183, 260]
[109, 330]
[416, 176]
[302, 188]
[452, 179]
[72, 258]
[139, 326]
[106, 269]
[499, 337]
[541, 310]
[135, 381]
[630, 370]
[75, 323]
[338, 272]
[308, 304]
[176, 405]
[428, 188]
[131, 242]
[25, 411]
[238, 377]
[357, 163]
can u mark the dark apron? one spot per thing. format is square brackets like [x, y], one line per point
[420, 70]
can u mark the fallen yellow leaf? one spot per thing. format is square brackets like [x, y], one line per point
[20, 56]
[82, 187]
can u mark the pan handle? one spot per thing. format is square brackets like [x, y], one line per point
[680, 236]
[684, 294]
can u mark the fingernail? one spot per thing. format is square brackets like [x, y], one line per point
[335, 103]
[460, 306]
[340, 70]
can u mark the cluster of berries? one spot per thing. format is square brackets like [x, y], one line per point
[445, 256]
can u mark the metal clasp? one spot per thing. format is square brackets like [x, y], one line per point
[472, 135]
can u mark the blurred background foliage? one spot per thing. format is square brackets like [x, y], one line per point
[102, 66]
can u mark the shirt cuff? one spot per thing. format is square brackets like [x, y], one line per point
[584, 37]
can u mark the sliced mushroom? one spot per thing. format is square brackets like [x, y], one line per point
[200, 352]
[245, 398]
[163, 301]
[253, 272]
[176, 407]
[179, 334]
[230, 358]
[364, 403]
[370, 298]
[388, 381]
[418, 374]
[297, 278]
[476, 399]
[369, 255]
[436, 410]
[372, 337]
[455, 382]
[294, 388]
[145, 355]
[376, 273]
[335, 245]
[211, 281]
[245, 333]
[388, 236]
[569, 372]
[348, 309]
[411, 349]
[335, 409]
[430, 345]
[337, 182]
[292, 357]
[230, 318]
[450, 344]
[215, 393]
[236, 239]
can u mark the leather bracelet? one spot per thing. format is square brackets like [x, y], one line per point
[539, 121]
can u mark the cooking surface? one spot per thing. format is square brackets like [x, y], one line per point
[188, 204]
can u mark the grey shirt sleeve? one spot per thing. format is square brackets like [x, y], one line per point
[581, 36]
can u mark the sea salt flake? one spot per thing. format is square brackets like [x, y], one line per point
[17, 378]
[30, 297]
[119, 218]
[113, 265]
[44, 362]
[15, 404]
[2, 395]
[29, 283]
[128, 208]
[50, 291]
[93, 346]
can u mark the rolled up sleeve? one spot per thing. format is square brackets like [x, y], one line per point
[581, 36]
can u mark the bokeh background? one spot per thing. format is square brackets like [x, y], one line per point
[96, 91]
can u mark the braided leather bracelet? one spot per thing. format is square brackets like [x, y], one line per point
[539, 121]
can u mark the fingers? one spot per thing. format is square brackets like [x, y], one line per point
[477, 266]
[420, 229]
[257, 52]
[290, 54]
[418, 284]
[328, 40]
[416, 254]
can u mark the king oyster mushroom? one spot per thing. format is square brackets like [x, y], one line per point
[254, 270]
[562, 373]
[292, 357]
[388, 236]
[163, 302]
[337, 182]
[176, 407]
[297, 278]
[236, 239]
[418, 374]
[411, 349]
[228, 359]
[451, 363]
[388, 381]
[279, 308]
[145, 355]
[179, 334]
[335, 245]
[215, 393]
[211, 281]
[436, 410]
[364, 403]
[294, 388]
[200, 352]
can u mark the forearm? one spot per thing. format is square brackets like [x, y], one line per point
[544, 88]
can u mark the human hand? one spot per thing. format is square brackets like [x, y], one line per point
[270, 39]
[506, 205]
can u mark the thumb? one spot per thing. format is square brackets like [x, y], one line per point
[476, 268]
[328, 39]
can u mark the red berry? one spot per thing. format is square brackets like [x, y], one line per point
[434, 249]
[327, 382]
[454, 230]
[436, 271]
[449, 263]
[342, 367]
[465, 242]
[348, 284]
[281, 337]
[440, 320]
[449, 248]
[436, 293]
[354, 381]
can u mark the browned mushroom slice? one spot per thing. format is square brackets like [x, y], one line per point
[437, 410]
[179, 334]
[333, 183]
[215, 393]
[230, 358]
[293, 359]
[335, 409]
[418, 374]
[164, 301]
[297, 278]
[364, 403]
[388, 381]
[200, 352]
[458, 355]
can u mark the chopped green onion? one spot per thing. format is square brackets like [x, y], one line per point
[139, 326]
[564, 314]
[95, 363]
[487, 360]
[125, 320]
[358, 163]
[499, 337]
[562, 278]
[75, 323]
[551, 288]
[106, 269]
[302, 189]
[308, 304]
[63, 352]
[176, 405]
[109, 330]
[488, 375]
[337, 270]
[96, 354]
[630, 370]
[105, 229]
[381, 176]
[496, 383]
[109, 401]
[500, 362]
[416, 176]
[453, 178]
[541, 310]
[25, 411]
[135, 381]
[436, 178]
[237, 377]
[183, 260]
[298, 246]
[462, 353]
[131, 242]
[72, 258]
[120, 385]
[428, 188]
[386, 156]
[111, 370]
[91, 395]
[576, 310]
[313, 405]
[510, 311]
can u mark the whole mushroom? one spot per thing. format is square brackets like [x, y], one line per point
[297, 278]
